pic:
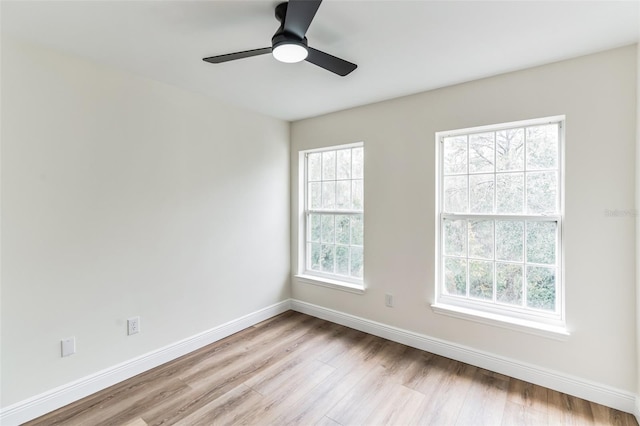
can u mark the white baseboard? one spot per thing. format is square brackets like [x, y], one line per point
[637, 410]
[59, 397]
[581, 388]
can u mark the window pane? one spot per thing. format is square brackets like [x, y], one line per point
[509, 283]
[542, 147]
[342, 260]
[509, 240]
[510, 150]
[357, 230]
[315, 195]
[455, 276]
[481, 152]
[455, 194]
[356, 262]
[541, 192]
[455, 155]
[328, 195]
[314, 162]
[314, 228]
[481, 279]
[509, 193]
[357, 193]
[314, 257]
[328, 165]
[327, 229]
[344, 164]
[343, 194]
[455, 241]
[481, 193]
[357, 163]
[481, 239]
[541, 242]
[342, 229]
[541, 288]
[326, 261]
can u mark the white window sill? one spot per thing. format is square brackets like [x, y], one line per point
[527, 326]
[327, 282]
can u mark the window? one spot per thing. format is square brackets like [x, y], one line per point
[500, 220]
[334, 213]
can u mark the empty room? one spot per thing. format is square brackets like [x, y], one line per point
[338, 212]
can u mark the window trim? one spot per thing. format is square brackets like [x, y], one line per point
[550, 324]
[303, 275]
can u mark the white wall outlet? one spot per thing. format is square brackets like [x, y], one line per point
[388, 300]
[68, 346]
[133, 326]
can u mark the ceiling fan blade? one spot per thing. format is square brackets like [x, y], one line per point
[300, 13]
[330, 62]
[237, 55]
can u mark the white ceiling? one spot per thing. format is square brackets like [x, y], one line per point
[401, 47]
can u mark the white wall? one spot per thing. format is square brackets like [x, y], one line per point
[122, 196]
[597, 94]
[637, 412]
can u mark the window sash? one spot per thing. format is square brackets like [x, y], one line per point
[335, 244]
[494, 305]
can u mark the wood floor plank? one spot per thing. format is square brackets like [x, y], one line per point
[485, 401]
[605, 416]
[225, 410]
[343, 344]
[278, 398]
[134, 407]
[399, 407]
[237, 342]
[160, 414]
[136, 422]
[446, 401]
[275, 376]
[323, 397]
[294, 369]
[354, 407]
[361, 350]
[252, 360]
[568, 410]
[303, 375]
[261, 339]
[117, 404]
[380, 385]
[326, 421]
[523, 415]
[528, 394]
[426, 372]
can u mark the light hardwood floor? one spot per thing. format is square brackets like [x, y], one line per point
[299, 370]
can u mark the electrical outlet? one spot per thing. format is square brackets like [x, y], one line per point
[68, 346]
[133, 326]
[388, 300]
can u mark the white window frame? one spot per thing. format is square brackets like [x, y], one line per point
[549, 324]
[305, 275]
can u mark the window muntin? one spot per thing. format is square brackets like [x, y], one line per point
[334, 213]
[500, 219]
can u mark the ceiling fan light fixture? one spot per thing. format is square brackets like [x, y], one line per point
[290, 52]
[289, 43]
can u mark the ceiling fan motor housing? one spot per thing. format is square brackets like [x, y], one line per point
[281, 36]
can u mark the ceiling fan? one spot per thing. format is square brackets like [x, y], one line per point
[289, 43]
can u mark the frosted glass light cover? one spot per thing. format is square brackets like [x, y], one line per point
[290, 53]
